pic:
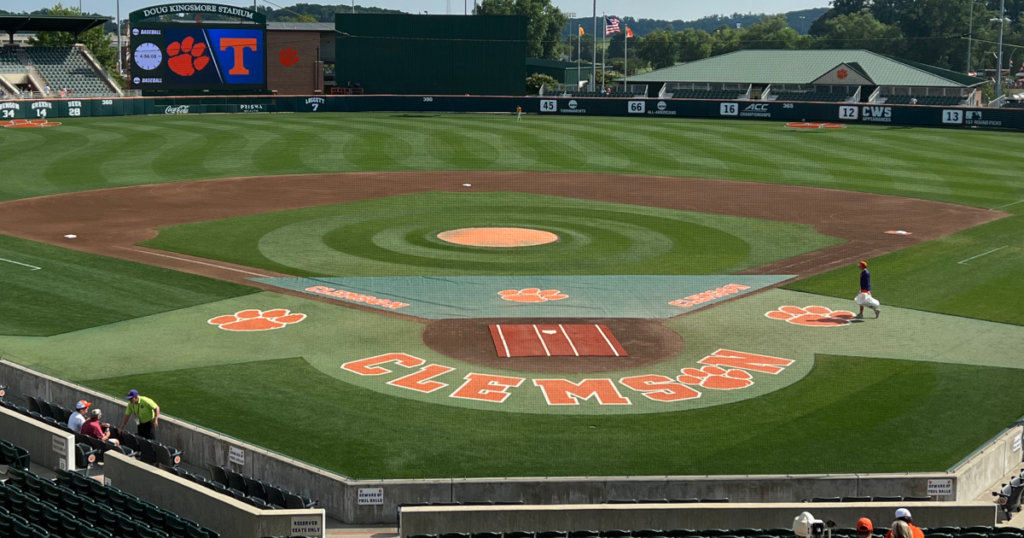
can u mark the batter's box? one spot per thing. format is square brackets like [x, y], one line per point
[555, 341]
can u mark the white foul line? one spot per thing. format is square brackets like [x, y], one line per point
[194, 261]
[964, 262]
[34, 268]
[503, 343]
[572, 345]
[1007, 205]
[615, 351]
[542, 342]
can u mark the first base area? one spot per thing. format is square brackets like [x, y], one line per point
[473, 297]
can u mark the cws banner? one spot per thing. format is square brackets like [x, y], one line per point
[198, 57]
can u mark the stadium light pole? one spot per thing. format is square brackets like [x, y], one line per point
[970, 37]
[998, 67]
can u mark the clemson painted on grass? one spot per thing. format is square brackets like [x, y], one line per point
[257, 320]
[722, 370]
[812, 316]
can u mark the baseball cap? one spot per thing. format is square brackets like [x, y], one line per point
[132, 394]
[864, 524]
[862, 264]
[902, 513]
[82, 404]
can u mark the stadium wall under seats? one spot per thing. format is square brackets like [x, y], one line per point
[472, 519]
[48, 446]
[339, 495]
[235, 519]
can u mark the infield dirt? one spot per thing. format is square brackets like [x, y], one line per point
[111, 222]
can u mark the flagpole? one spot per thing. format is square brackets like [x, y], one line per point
[579, 52]
[625, 63]
[604, 50]
[593, 66]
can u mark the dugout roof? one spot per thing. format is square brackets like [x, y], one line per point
[798, 67]
[13, 24]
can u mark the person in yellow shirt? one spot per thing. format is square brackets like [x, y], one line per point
[147, 412]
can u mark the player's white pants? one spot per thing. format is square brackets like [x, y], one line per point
[865, 299]
[519, 116]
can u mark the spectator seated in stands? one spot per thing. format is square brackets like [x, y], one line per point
[904, 519]
[78, 418]
[864, 528]
[96, 429]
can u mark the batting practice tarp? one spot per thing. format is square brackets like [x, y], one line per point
[533, 296]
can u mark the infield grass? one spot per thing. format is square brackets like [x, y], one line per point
[74, 290]
[397, 236]
[848, 415]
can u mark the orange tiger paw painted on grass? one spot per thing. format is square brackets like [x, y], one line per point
[812, 316]
[29, 123]
[715, 378]
[256, 320]
[532, 295]
[186, 57]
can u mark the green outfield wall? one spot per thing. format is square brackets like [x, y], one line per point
[903, 115]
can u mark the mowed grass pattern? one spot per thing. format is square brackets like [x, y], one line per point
[849, 415]
[961, 166]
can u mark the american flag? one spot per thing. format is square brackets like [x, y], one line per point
[611, 26]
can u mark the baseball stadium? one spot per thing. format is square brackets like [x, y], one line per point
[505, 309]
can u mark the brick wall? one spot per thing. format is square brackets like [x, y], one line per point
[286, 75]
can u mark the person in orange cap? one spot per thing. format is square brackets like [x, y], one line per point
[864, 528]
[864, 298]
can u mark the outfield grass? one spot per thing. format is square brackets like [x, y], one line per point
[971, 167]
[73, 290]
[848, 415]
[397, 236]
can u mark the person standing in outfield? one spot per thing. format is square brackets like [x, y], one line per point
[519, 113]
[864, 298]
[145, 410]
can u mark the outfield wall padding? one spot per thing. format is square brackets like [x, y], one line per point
[339, 495]
[602, 517]
[846, 113]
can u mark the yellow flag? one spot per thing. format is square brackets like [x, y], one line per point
[581, 30]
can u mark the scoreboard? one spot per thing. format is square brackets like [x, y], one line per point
[175, 56]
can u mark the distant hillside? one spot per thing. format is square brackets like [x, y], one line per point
[320, 12]
[798, 20]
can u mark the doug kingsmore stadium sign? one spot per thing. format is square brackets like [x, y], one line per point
[168, 9]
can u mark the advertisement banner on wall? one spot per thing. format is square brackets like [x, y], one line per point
[200, 57]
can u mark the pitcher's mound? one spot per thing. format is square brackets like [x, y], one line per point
[497, 237]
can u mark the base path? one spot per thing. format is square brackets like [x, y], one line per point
[111, 221]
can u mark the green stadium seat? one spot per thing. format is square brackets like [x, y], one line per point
[551, 534]
[583, 534]
[613, 534]
[646, 533]
[486, 535]
[747, 532]
[682, 533]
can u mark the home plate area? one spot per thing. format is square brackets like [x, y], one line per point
[555, 341]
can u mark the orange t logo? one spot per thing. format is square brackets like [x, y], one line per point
[239, 44]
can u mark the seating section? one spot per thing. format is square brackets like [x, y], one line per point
[247, 489]
[704, 94]
[65, 67]
[76, 506]
[824, 97]
[933, 100]
[13, 456]
[152, 452]
[9, 62]
[953, 532]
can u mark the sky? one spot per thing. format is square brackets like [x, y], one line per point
[641, 9]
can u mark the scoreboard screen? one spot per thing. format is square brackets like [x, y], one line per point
[197, 57]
